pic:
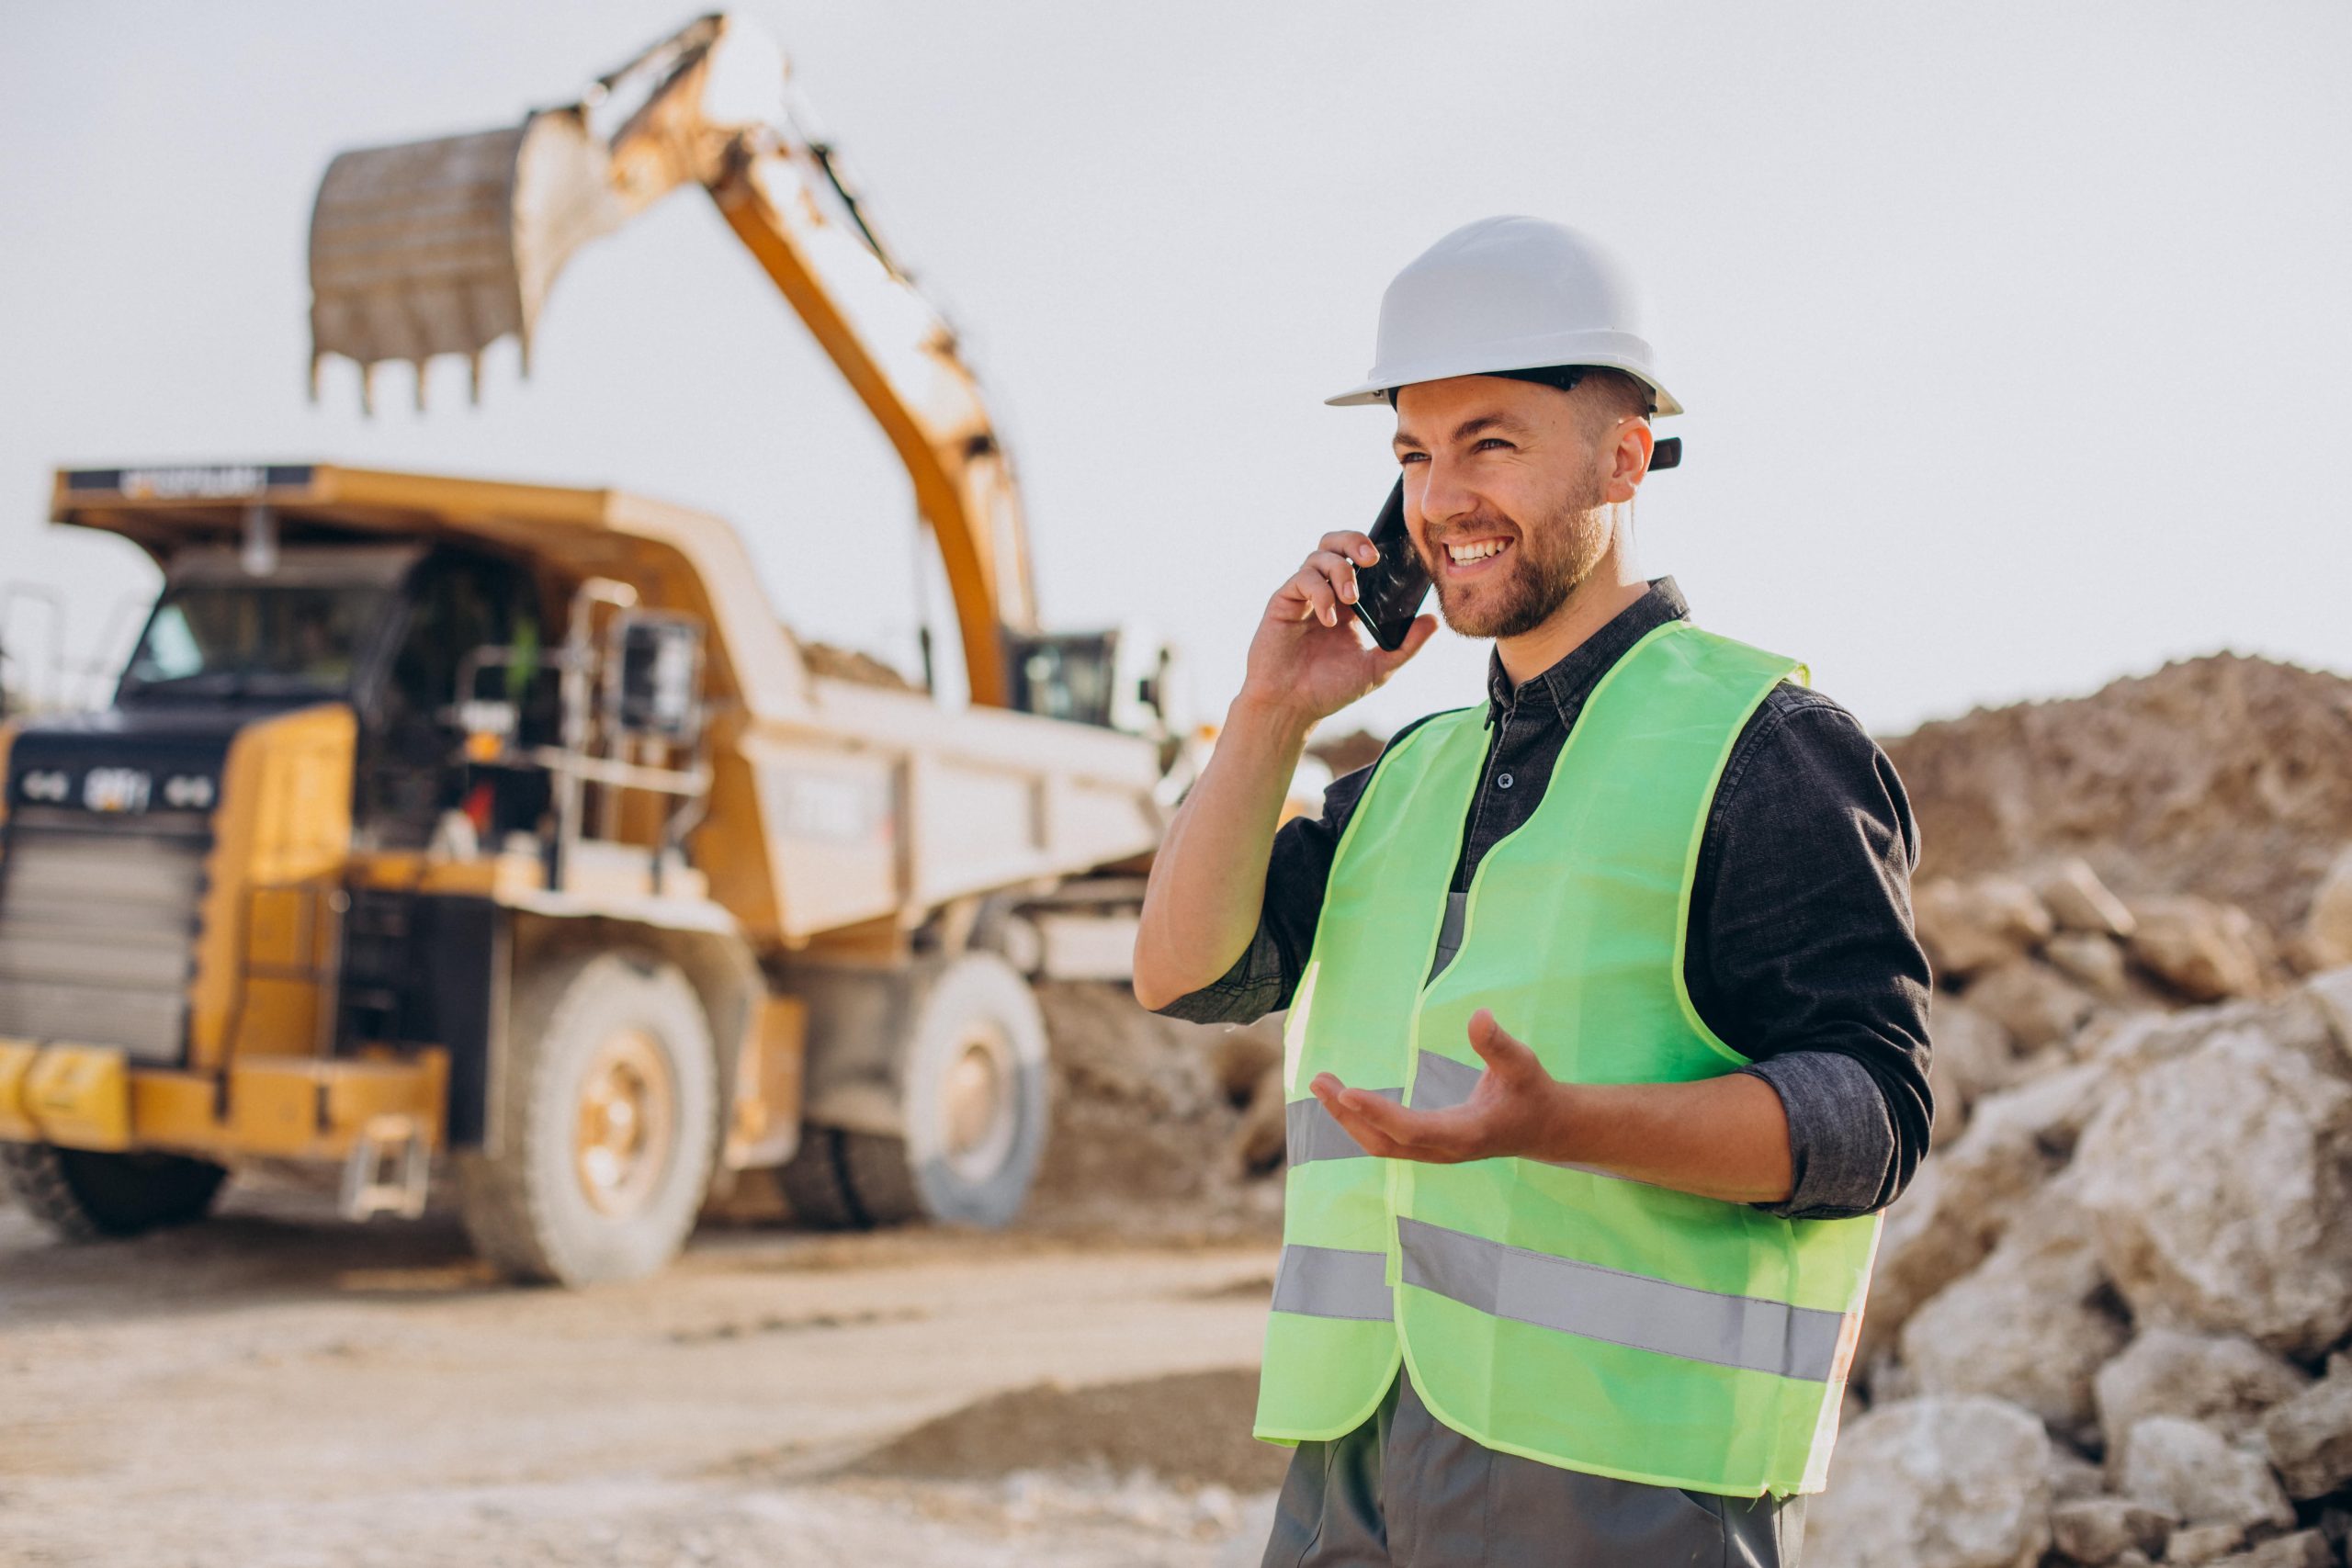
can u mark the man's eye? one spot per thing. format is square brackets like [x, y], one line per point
[1491, 441]
[1412, 458]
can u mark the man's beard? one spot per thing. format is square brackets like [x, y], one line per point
[1549, 562]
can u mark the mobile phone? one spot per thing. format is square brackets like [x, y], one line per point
[1390, 592]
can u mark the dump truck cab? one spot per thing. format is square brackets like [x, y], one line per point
[503, 829]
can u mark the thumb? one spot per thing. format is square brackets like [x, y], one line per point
[1498, 1048]
[1423, 627]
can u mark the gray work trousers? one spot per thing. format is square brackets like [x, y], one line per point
[1404, 1490]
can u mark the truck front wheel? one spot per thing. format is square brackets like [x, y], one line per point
[82, 1195]
[607, 1123]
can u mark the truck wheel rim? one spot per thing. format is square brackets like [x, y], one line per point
[621, 1138]
[979, 1107]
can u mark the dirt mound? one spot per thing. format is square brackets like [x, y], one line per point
[1188, 1429]
[2226, 776]
[1160, 1127]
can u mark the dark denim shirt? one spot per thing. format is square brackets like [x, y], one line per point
[1801, 953]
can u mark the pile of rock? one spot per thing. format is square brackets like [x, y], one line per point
[2023, 963]
[2112, 1315]
[1162, 1128]
[2226, 776]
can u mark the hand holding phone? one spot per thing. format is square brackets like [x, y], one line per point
[1390, 592]
[1305, 657]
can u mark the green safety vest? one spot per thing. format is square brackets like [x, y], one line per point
[1565, 1314]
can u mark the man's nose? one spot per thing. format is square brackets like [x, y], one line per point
[1444, 493]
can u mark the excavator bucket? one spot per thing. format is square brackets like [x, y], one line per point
[445, 246]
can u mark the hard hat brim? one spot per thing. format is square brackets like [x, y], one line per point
[1630, 355]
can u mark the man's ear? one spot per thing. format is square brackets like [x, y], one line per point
[1629, 460]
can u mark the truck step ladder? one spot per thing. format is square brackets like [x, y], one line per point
[389, 1168]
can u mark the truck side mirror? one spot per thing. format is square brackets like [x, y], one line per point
[659, 662]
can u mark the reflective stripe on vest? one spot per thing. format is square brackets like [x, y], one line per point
[1568, 1316]
[1331, 1282]
[1570, 1297]
[1312, 1132]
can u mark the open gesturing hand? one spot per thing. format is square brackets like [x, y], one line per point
[1516, 1108]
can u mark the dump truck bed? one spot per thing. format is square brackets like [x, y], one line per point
[870, 805]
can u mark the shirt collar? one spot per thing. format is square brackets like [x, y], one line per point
[1567, 684]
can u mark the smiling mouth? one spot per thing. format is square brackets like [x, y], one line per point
[1472, 555]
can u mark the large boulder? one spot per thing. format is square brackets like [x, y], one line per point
[2330, 994]
[2092, 962]
[2098, 1531]
[2221, 1184]
[2198, 1544]
[2187, 1471]
[2079, 902]
[2310, 1435]
[1975, 1050]
[2222, 1379]
[1951, 1101]
[2304, 1549]
[1972, 925]
[1962, 1198]
[2313, 1020]
[2034, 1003]
[2327, 928]
[2200, 950]
[2031, 1325]
[1935, 1484]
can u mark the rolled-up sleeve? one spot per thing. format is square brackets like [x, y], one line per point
[1801, 954]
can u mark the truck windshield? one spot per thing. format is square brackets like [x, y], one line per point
[255, 639]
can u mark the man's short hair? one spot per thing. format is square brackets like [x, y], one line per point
[1615, 393]
[1619, 395]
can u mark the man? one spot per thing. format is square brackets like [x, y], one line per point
[1607, 1031]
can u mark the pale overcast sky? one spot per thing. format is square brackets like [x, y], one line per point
[2016, 336]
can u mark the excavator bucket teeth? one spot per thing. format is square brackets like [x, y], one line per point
[445, 246]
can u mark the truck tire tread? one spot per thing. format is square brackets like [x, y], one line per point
[506, 1213]
[82, 1195]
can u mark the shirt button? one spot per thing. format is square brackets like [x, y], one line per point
[1502, 781]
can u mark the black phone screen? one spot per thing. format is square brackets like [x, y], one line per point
[1390, 592]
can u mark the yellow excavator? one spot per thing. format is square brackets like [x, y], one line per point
[502, 830]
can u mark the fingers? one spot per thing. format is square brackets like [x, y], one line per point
[1323, 586]
[1421, 631]
[1315, 597]
[1351, 546]
[1497, 1049]
[1387, 1130]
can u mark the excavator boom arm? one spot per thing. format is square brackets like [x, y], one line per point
[444, 246]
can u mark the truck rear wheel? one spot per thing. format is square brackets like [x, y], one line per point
[607, 1121]
[973, 1105]
[816, 1183]
[82, 1195]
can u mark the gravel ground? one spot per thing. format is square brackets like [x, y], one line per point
[276, 1389]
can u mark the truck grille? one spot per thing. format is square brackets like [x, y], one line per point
[97, 927]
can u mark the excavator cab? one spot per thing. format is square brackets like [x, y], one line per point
[1117, 679]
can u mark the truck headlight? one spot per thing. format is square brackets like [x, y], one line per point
[188, 791]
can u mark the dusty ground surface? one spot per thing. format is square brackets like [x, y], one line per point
[275, 1388]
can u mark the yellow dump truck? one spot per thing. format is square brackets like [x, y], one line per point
[503, 829]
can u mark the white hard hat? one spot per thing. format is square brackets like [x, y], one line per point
[1507, 294]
